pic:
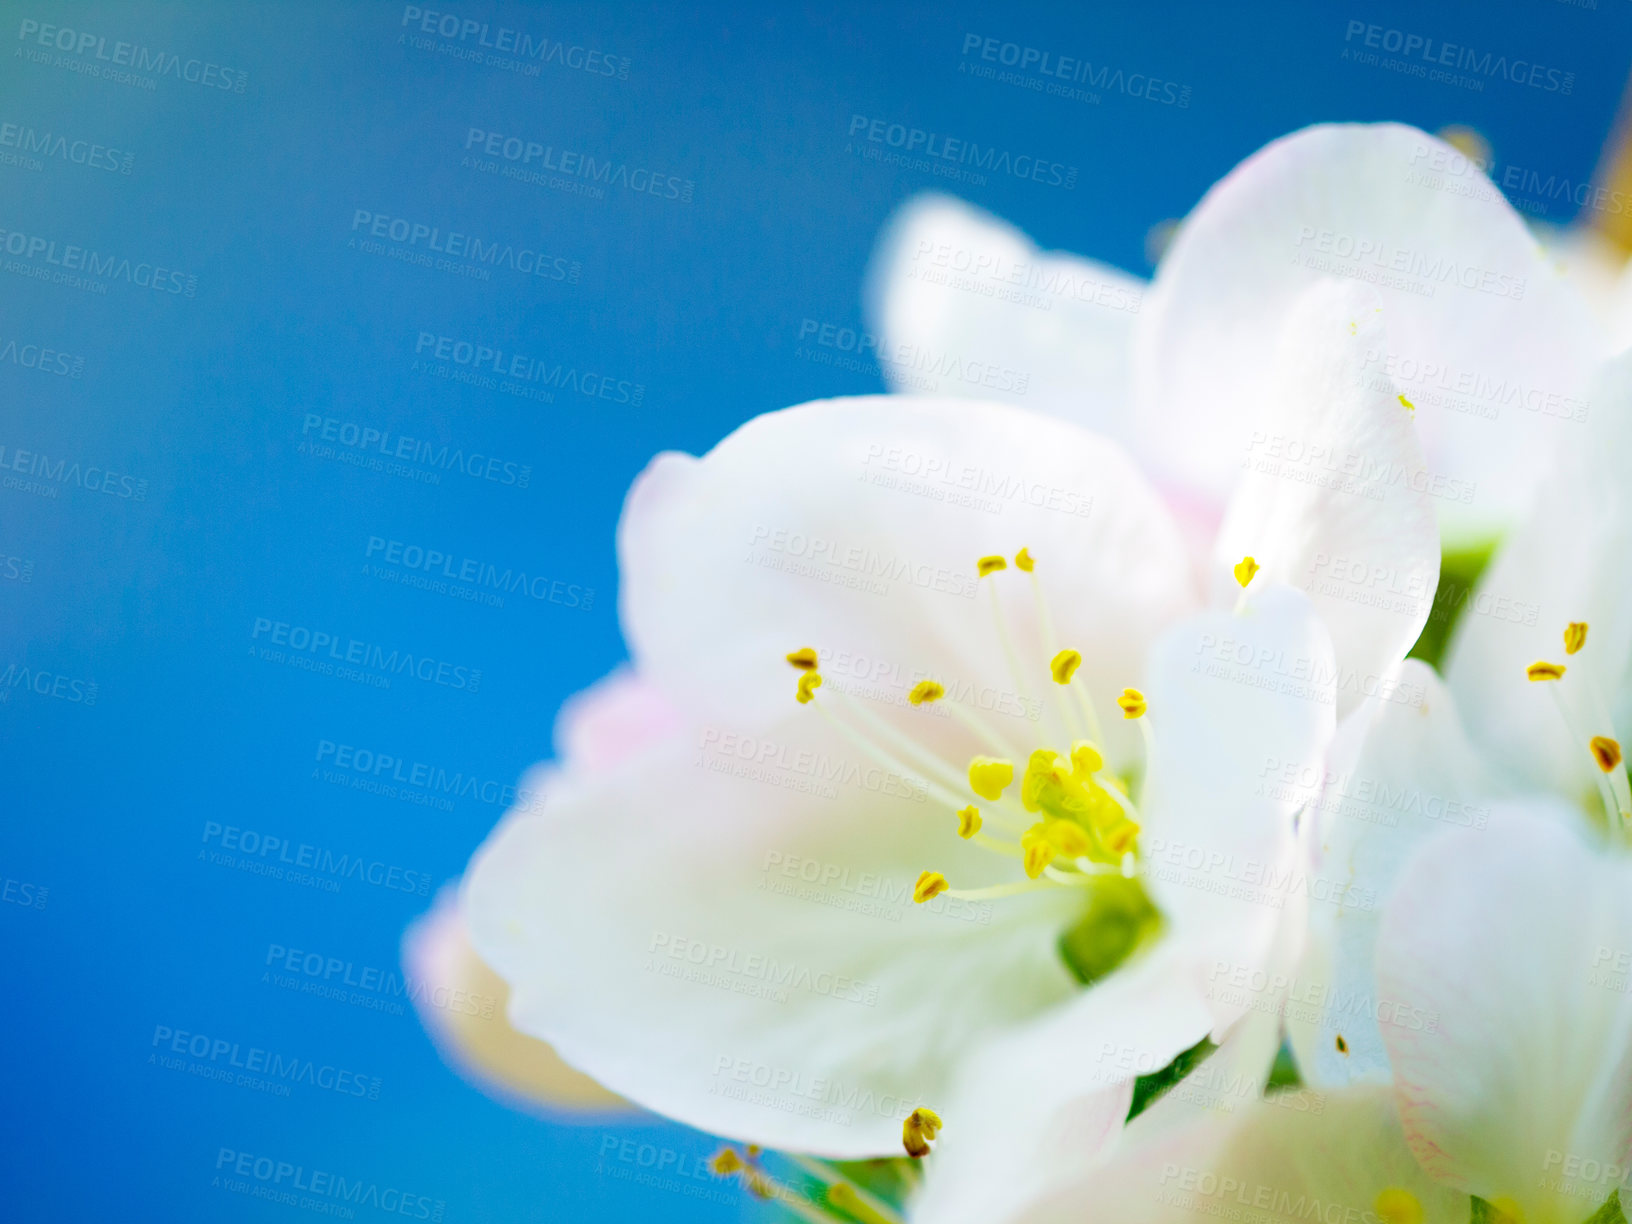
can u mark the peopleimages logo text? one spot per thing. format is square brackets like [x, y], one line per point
[344, 649]
[1442, 54]
[418, 235]
[956, 151]
[132, 55]
[452, 27]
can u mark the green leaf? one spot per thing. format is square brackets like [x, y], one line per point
[1459, 573]
[1148, 1089]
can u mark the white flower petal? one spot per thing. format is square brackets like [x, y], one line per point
[461, 1003]
[1479, 322]
[1400, 772]
[1334, 498]
[1036, 1106]
[1293, 1156]
[952, 288]
[1516, 940]
[1234, 697]
[722, 930]
[853, 526]
[617, 715]
[1568, 562]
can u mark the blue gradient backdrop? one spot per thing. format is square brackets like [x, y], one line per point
[113, 924]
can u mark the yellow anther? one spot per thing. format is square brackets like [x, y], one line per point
[1036, 850]
[1245, 569]
[753, 1150]
[990, 565]
[968, 821]
[1040, 767]
[989, 775]
[1023, 560]
[1120, 834]
[804, 659]
[1132, 703]
[1065, 665]
[808, 684]
[1397, 1206]
[925, 690]
[921, 1126]
[1068, 838]
[930, 884]
[1086, 759]
[726, 1162]
[1342, 1046]
[1575, 636]
[1407, 404]
[1606, 752]
[1543, 670]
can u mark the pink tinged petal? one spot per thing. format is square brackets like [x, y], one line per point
[1334, 498]
[1400, 773]
[461, 1003]
[967, 302]
[1514, 942]
[1480, 324]
[722, 931]
[612, 719]
[1567, 562]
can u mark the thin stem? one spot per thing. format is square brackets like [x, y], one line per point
[882, 757]
[998, 890]
[867, 1207]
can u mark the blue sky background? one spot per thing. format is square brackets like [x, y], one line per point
[113, 925]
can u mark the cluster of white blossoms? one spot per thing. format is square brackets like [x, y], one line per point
[974, 764]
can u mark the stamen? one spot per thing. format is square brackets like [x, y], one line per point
[990, 565]
[1612, 782]
[995, 740]
[804, 659]
[809, 682]
[1038, 852]
[1395, 1205]
[1408, 405]
[1605, 751]
[930, 885]
[846, 1195]
[725, 1162]
[1244, 571]
[937, 790]
[969, 821]
[925, 690]
[1007, 849]
[988, 776]
[1009, 656]
[1575, 636]
[1543, 670]
[1067, 838]
[1132, 703]
[1064, 666]
[921, 1126]
[1086, 759]
[998, 891]
[1023, 560]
